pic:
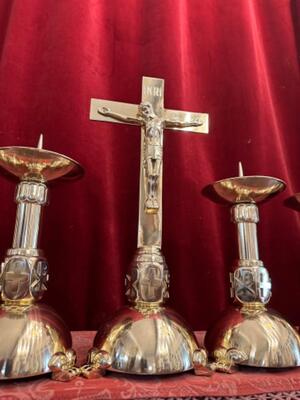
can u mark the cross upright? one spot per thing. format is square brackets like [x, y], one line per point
[153, 118]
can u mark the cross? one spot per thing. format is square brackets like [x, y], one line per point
[264, 285]
[150, 282]
[153, 118]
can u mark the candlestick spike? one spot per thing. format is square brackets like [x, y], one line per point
[241, 172]
[40, 142]
[261, 337]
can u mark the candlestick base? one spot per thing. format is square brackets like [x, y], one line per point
[148, 340]
[29, 336]
[265, 338]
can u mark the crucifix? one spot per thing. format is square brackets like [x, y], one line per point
[153, 119]
[123, 338]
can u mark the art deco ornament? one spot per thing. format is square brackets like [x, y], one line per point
[147, 337]
[254, 335]
[30, 333]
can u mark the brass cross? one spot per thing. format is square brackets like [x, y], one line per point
[151, 281]
[153, 119]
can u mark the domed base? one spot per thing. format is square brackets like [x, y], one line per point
[265, 338]
[29, 336]
[149, 342]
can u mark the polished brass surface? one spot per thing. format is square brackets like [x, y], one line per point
[131, 111]
[30, 197]
[150, 342]
[245, 216]
[153, 118]
[263, 338]
[148, 281]
[266, 338]
[248, 188]
[226, 359]
[147, 338]
[98, 363]
[200, 363]
[63, 365]
[29, 333]
[37, 164]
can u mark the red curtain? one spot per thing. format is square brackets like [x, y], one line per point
[238, 60]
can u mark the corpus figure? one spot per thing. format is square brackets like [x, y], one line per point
[153, 145]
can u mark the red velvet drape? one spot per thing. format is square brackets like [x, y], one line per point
[238, 60]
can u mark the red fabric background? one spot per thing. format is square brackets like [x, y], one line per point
[238, 60]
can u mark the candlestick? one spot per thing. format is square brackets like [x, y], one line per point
[260, 337]
[30, 333]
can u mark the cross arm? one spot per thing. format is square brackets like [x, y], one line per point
[118, 112]
[186, 121]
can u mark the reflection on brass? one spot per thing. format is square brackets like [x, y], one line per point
[153, 124]
[200, 363]
[227, 359]
[98, 363]
[147, 343]
[148, 281]
[153, 118]
[63, 365]
[29, 333]
[259, 337]
[248, 188]
[148, 338]
[37, 164]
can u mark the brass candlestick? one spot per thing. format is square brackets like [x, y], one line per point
[30, 333]
[259, 337]
[146, 337]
